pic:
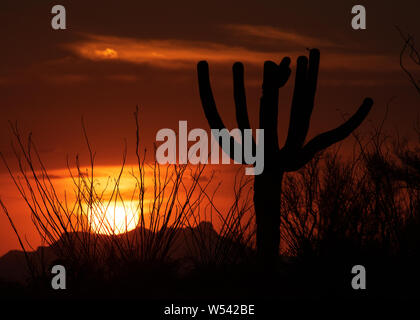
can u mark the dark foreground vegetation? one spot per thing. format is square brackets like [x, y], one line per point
[337, 212]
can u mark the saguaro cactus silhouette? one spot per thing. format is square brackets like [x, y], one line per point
[295, 153]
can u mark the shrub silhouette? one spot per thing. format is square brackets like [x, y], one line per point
[174, 232]
[295, 153]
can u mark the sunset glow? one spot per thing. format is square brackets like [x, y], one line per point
[116, 219]
[175, 54]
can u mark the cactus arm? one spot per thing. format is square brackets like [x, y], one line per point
[284, 71]
[296, 130]
[328, 138]
[209, 106]
[303, 100]
[206, 96]
[269, 107]
[240, 97]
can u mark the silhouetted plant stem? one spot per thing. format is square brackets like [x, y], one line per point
[267, 194]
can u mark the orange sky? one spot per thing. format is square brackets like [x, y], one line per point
[115, 56]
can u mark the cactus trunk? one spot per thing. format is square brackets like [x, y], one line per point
[267, 197]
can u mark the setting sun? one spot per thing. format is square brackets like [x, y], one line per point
[117, 218]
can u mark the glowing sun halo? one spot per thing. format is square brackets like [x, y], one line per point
[118, 218]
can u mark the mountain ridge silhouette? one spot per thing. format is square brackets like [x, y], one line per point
[14, 269]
